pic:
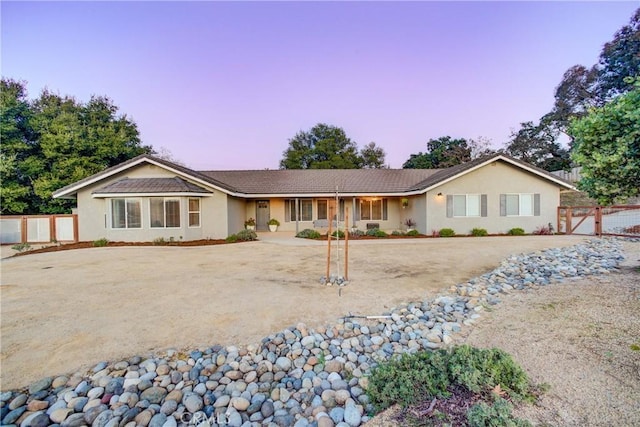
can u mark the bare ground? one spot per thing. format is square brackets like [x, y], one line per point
[65, 311]
[581, 338]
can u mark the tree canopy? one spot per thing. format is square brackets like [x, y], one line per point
[536, 144]
[54, 141]
[328, 147]
[607, 146]
[442, 152]
[584, 87]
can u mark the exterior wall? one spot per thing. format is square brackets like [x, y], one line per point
[94, 215]
[493, 179]
[236, 214]
[396, 215]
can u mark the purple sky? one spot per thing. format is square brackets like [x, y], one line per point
[226, 85]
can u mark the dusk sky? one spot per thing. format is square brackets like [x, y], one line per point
[225, 85]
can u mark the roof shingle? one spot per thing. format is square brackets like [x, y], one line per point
[150, 185]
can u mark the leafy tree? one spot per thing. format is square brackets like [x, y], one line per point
[481, 147]
[372, 156]
[54, 141]
[17, 144]
[443, 152]
[322, 147]
[536, 144]
[582, 88]
[620, 59]
[607, 146]
[575, 94]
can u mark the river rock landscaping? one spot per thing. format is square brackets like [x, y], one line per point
[296, 377]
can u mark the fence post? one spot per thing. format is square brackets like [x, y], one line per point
[598, 221]
[569, 227]
[559, 223]
[52, 229]
[23, 229]
[75, 228]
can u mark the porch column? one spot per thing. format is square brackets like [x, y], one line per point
[353, 209]
[297, 214]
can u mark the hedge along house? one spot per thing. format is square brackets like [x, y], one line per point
[146, 198]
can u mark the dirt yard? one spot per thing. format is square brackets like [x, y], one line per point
[581, 338]
[68, 310]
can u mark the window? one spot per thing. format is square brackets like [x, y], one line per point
[464, 205]
[525, 204]
[126, 213]
[323, 211]
[305, 210]
[194, 212]
[373, 209]
[164, 213]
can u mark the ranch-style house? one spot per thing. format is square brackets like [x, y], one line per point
[146, 198]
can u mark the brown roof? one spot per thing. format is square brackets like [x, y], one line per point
[151, 185]
[293, 181]
[314, 181]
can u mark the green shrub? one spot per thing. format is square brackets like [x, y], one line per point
[246, 235]
[516, 231]
[479, 232]
[482, 369]
[232, 238]
[413, 233]
[499, 414]
[446, 232]
[308, 233]
[338, 233]
[413, 378]
[409, 379]
[100, 243]
[21, 247]
[159, 241]
[376, 232]
[397, 233]
[356, 233]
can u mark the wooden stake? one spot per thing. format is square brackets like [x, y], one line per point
[346, 244]
[329, 245]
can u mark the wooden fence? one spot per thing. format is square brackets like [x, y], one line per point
[38, 228]
[621, 220]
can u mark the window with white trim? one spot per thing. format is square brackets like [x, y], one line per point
[373, 209]
[520, 204]
[466, 205]
[126, 213]
[194, 212]
[164, 213]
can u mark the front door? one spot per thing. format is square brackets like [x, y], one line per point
[262, 215]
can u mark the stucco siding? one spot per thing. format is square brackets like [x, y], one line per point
[94, 216]
[493, 180]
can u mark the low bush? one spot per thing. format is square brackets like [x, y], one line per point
[100, 243]
[357, 233]
[516, 231]
[413, 233]
[338, 233]
[376, 232]
[21, 247]
[446, 232]
[415, 378]
[543, 230]
[246, 235]
[479, 232]
[308, 233]
[232, 238]
[159, 241]
[497, 414]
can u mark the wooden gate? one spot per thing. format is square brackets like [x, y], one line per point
[623, 220]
